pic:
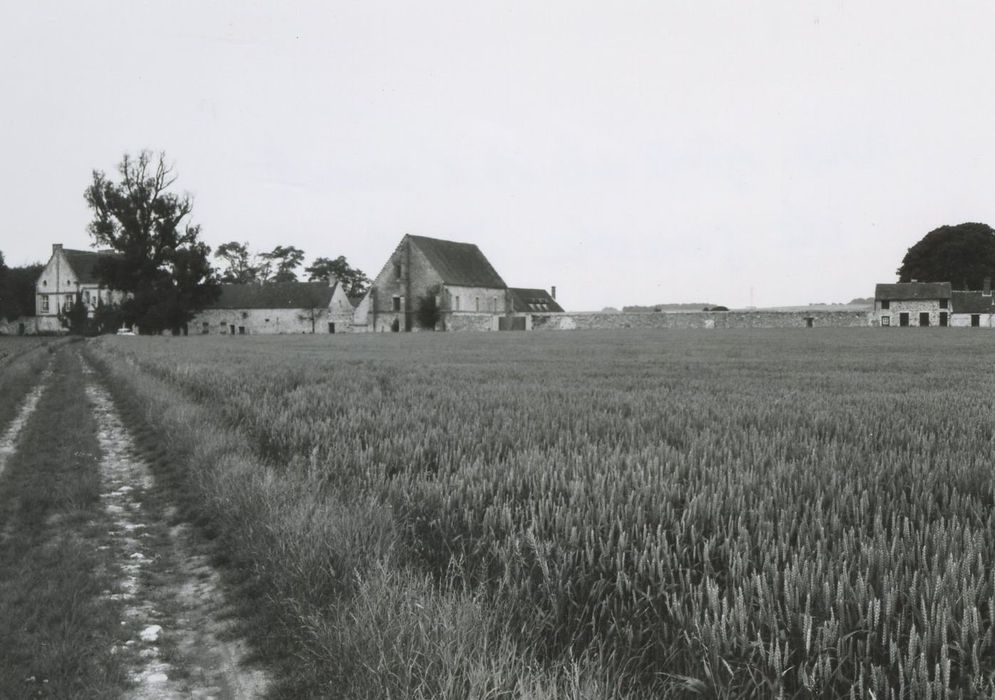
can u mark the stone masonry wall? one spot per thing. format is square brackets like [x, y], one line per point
[701, 319]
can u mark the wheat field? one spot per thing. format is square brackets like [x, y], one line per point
[797, 513]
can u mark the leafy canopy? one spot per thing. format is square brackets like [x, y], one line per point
[354, 281]
[243, 267]
[17, 289]
[963, 255]
[161, 264]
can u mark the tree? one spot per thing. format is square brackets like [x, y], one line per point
[354, 281]
[161, 265]
[963, 255]
[17, 289]
[285, 259]
[428, 313]
[240, 268]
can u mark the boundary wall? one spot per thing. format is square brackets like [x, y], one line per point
[701, 319]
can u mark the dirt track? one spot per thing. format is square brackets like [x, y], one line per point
[180, 640]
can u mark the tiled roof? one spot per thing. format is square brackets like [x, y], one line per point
[972, 303]
[912, 291]
[532, 300]
[84, 263]
[460, 264]
[275, 295]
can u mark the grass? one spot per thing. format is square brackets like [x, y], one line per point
[21, 362]
[57, 629]
[731, 514]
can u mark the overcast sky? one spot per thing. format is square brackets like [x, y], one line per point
[626, 152]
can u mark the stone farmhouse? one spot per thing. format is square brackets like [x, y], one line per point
[276, 308]
[67, 273]
[434, 284]
[912, 304]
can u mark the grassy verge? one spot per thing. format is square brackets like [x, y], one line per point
[57, 629]
[21, 363]
[327, 602]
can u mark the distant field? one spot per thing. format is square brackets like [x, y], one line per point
[724, 513]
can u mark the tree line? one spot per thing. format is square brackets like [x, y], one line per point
[159, 260]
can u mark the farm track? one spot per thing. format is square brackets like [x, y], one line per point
[180, 644]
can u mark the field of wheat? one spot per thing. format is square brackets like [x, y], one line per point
[732, 514]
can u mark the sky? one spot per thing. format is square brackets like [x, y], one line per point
[739, 153]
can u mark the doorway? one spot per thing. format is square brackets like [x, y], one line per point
[331, 327]
[923, 318]
[903, 319]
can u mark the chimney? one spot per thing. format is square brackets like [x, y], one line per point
[553, 291]
[56, 247]
[987, 289]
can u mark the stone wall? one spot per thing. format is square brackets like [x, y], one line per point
[258, 322]
[469, 321]
[701, 319]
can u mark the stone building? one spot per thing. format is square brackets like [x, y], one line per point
[973, 309]
[67, 273]
[277, 308]
[432, 284]
[912, 304]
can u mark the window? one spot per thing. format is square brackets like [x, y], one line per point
[457, 303]
[476, 302]
[885, 304]
[886, 320]
[397, 303]
[943, 303]
[206, 328]
[397, 270]
[44, 303]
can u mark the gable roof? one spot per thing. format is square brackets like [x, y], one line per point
[84, 263]
[533, 300]
[912, 291]
[460, 264]
[274, 295]
[972, 303]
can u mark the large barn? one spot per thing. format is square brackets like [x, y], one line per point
[433, 284]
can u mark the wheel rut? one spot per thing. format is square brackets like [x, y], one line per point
[180, 642]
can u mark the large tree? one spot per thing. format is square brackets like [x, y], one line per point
[161, 263]
[963, 255]
[240, 268]
[354, 281]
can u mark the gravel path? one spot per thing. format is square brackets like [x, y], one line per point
[181, 645]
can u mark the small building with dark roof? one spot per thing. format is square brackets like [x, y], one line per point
[912, 304]
[973, 309]
[68, 273]
[277, 308]
[523, 301]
